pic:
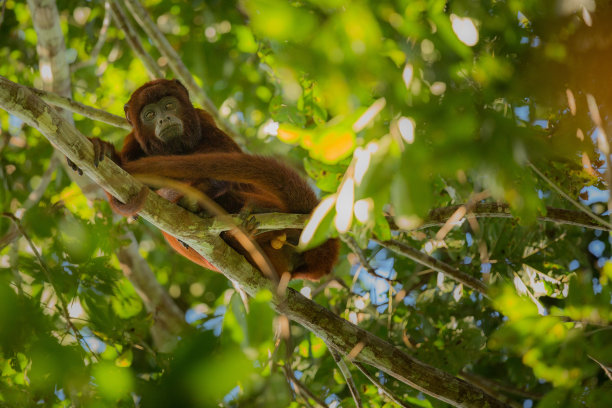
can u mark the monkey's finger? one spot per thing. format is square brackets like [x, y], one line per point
[74, 167]
[98, 151]
[101, 152]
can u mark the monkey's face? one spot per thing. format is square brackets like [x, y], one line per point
[163, 118]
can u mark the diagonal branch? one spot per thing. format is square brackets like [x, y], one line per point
[438, 216]
[587, 211]
[431, 262]
[133, 39]
[332, 329]
[84, 110]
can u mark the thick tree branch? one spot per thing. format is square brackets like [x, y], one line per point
[339, 333]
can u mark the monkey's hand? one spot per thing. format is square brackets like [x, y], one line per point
[248, 222]
[134, 204]
[101, 150]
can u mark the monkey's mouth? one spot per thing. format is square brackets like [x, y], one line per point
[170, 132]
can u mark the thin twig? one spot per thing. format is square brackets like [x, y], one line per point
[176, 64]
[490, 384]
[562, 193]
[290, 375]
[431, 262]
[2, 13]
[301, 388]
[606, 369]
[380, 386]
[93, 56]
[84, 110]
[352, 244]
[438, 216]
[347, 376]
[63, 304]
[32, 200]
[133, 39]
[489, 388]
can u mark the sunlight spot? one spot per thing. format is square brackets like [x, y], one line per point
[75, 309]
[45, 72]
[438, 88]
[196, 289]
[210, 33]
[407, 222]
[369, 114]
[363, 208]
[361, 164]
[81, 14]
[372, 147]
[586, 16]
[594, 109]
[602, 141]
[360, 304]
[427, 47]
[306, 292]
[317, 216]
[571, 101]
[465, 29]
[406, 128]
[407, 75]
[174, 291]
[270, 128]
[344, 205]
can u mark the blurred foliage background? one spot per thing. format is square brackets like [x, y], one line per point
[410, 105]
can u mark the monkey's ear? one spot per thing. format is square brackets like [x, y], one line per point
[181, 85]
[126, 109]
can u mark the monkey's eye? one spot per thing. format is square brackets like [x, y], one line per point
[169, 105]
[149, 115]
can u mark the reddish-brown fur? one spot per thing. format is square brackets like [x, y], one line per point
[208, 159]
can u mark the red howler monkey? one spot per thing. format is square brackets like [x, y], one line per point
[171, 138]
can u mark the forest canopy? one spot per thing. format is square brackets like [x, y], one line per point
[461, 156]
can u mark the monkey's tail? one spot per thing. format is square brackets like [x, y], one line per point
[318, 261]
[264, 173]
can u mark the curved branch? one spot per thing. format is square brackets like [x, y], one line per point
[132, 37]
[84, 110]
[334, 330]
